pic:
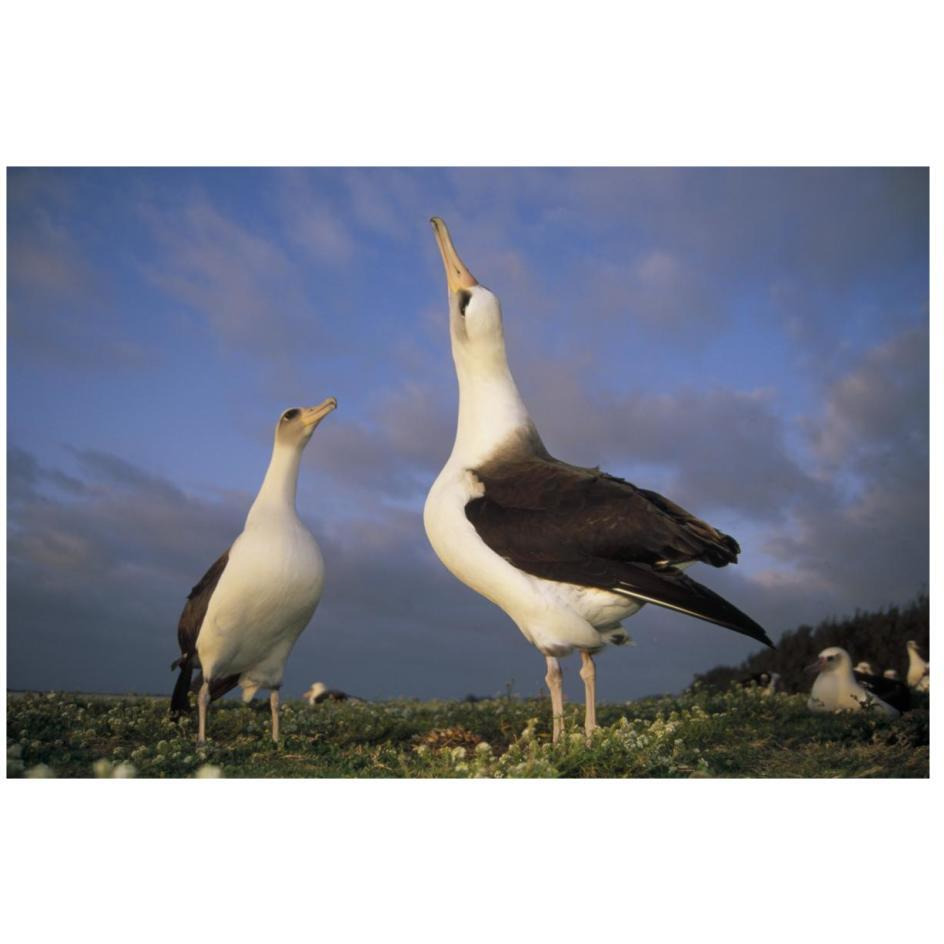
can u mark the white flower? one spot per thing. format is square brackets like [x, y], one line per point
[209, 772]
[458, 753]
[124, 771]
[483, 747]
[102, 767]
[41, 771]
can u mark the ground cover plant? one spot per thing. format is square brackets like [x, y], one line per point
[735, 732]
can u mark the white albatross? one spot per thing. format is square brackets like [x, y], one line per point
[242, 619]
[837, 689]
[773, 686]
[566, 552]
[919, 671]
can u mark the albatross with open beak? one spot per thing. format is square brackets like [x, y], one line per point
[566, 552]
[242, 619]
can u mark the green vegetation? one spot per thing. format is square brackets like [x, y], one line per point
[878, 637]
[736, 732]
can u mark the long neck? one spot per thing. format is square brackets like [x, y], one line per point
[490, 407]
[277, 494]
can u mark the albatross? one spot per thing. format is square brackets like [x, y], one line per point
[839, 688]
[242, 619]
[567, 552]
[319, 692]
[919, 671]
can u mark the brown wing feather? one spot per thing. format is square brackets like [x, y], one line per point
[581, 526]
[541, 507]
[188, 629]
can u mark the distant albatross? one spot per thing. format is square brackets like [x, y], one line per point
[838, 688]
[319, 692]
[919, 671]
[567, 552]
[241, 620]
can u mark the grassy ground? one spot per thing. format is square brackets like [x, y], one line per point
[737, 733]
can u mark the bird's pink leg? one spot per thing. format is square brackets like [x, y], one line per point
[554, 683]
[203, 699]
[274, 705]
[588, 673]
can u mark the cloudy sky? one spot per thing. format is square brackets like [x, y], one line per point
[752, 343]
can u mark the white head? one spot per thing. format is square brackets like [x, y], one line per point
[492, 414]
[890, 673]
[475, 317]
[865, 668]
[913, 647]
[833, 659]
[316, 689]
[296, 425]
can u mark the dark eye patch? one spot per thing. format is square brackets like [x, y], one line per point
[464, 299]
[291, 414]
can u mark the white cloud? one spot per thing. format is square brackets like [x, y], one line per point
[245, 287]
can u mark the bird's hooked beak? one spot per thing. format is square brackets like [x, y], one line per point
[816, 666]
[313, 415]
[457, 275]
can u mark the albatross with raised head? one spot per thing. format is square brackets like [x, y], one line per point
[242, 619]
[567, 552]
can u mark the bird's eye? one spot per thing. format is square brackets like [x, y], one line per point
[464, 299]
[290, 414]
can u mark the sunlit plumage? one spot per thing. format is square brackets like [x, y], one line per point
[242, 619]
[567, 552]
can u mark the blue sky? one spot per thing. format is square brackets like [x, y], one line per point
[751, 342]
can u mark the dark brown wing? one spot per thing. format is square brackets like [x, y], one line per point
[188, 629]
[332, 694]
[891, 691]
[582, 526]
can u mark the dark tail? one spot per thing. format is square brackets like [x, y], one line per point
[179, 702]
[676, 591]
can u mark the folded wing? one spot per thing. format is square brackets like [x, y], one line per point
[581, 526]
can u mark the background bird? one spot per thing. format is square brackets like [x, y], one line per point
[837, 689]
[567, 552]
[242, 619]
[767, 682]
[919, 670]
[891, 691]
[320, 692]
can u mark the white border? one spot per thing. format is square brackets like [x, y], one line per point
[420, 83]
